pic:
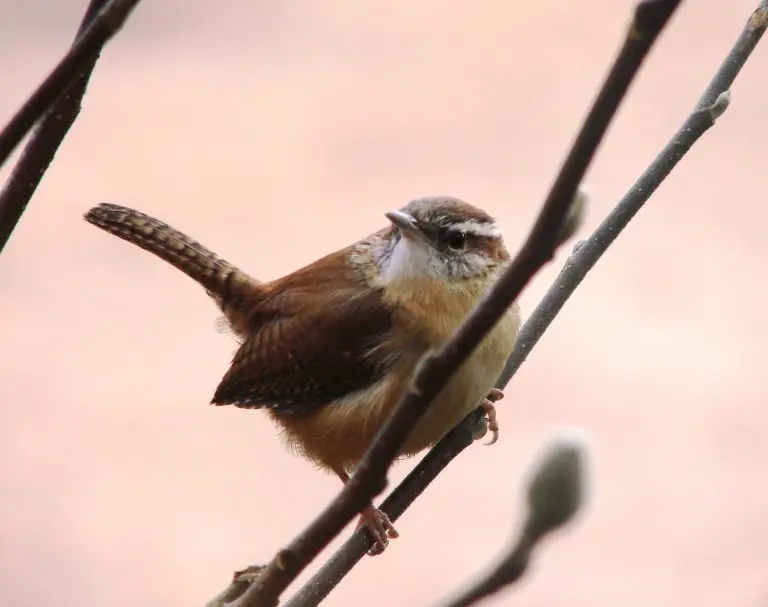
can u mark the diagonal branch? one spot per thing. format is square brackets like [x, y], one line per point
[713, 102]
[413, 485]
[370, 477]
[58, 98]
[583, 259]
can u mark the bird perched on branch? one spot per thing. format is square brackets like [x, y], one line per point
[328, 350]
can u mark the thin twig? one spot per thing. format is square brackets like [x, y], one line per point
[710, 106]
[239, 584]
[353, 550]
[557, 489]
[370, 478]
[60, 96]
[512, 570]
[341, 563]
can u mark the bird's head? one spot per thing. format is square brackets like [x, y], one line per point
[441, 238]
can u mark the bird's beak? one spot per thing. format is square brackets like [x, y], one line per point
[407, 226]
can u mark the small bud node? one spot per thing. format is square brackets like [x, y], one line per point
[720, 105]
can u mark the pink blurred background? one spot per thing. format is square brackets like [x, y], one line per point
[276, 132]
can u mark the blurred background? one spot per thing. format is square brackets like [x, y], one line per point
[277, 132]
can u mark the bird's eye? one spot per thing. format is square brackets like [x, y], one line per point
[456, 240]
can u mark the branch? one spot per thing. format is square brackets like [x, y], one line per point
[355, 548]
[709, 108]
[60, 96]
[369, 478]
[582, 260]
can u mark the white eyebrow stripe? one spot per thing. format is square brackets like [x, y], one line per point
[490, 230]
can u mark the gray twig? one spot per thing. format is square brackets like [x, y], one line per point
[239, 584]
[709, 108]
[556, 491]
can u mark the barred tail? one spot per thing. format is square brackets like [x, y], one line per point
[227, 285]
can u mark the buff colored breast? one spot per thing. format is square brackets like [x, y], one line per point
[339, 434]
[438, 312]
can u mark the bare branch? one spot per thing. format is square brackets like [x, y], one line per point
[571, 275]
[62, 91]
[710, 106]
[715, 101]
[555, 492]
[412, 486]
[370, 477]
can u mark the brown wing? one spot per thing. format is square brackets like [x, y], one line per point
[314, 340]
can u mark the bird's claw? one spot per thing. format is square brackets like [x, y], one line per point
[380, 527]
[489, 409]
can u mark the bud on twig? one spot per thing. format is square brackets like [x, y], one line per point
[555, 491]
[556, 488]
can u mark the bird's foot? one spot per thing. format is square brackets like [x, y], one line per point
[489, 422]
[380, 526]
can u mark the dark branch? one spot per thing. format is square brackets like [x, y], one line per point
[582, 260]
[60, 96]
[412, 486]
[370, 477]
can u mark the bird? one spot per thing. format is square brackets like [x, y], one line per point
[328, 350]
